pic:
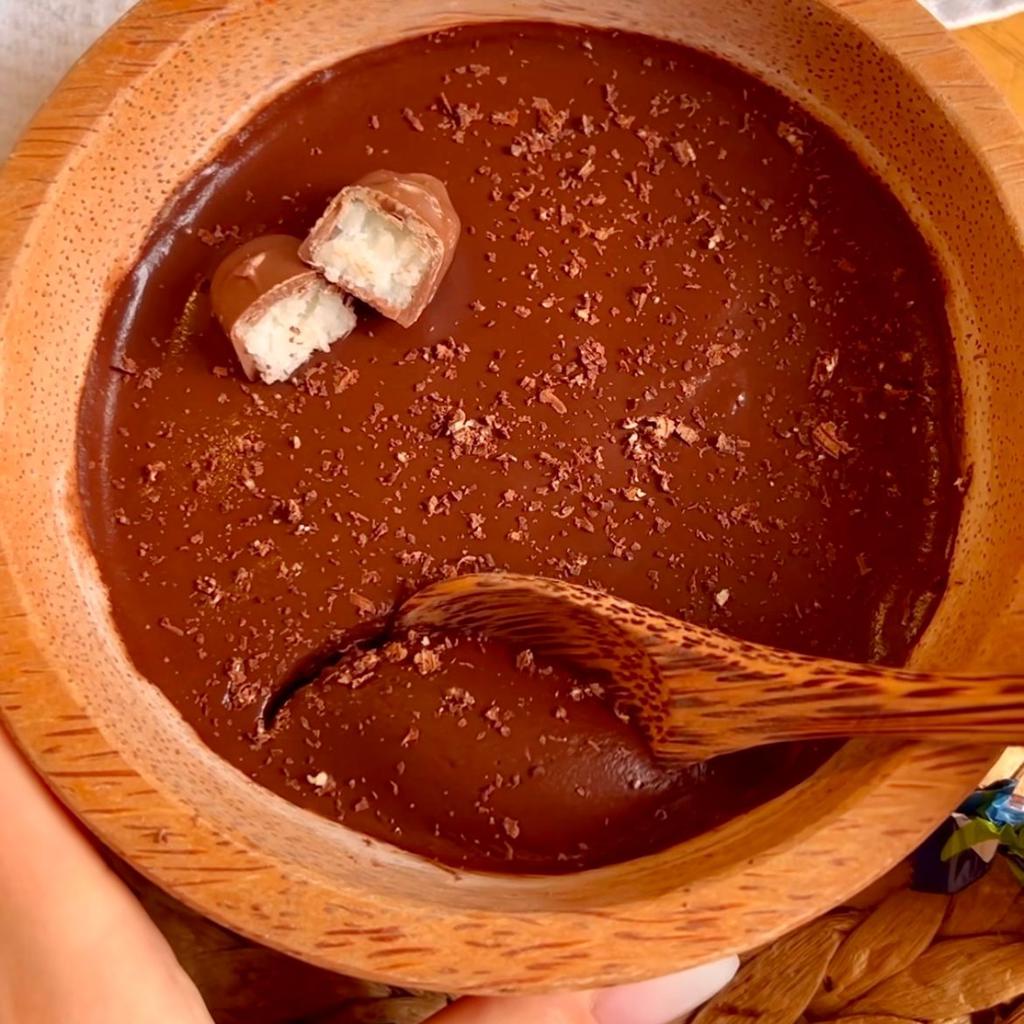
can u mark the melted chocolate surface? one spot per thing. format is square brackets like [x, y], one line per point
[689, 350]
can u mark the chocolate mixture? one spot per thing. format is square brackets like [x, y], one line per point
[689, 350]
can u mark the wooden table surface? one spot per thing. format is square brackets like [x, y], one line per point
[999, 48]
[246, 983]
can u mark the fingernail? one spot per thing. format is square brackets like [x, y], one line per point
[661, 1000]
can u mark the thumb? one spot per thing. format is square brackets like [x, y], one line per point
[659, 1001]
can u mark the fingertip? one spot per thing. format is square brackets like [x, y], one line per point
[568, 1008]
[658, 1001]
[661, 1000]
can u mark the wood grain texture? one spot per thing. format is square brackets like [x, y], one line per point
[699, 693]
[147, 107]
[999, 49]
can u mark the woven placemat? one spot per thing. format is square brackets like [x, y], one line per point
[892, 956]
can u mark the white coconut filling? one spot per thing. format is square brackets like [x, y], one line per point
[294, 327]
[374, 255]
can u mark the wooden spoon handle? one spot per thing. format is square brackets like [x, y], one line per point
[698, 693]
[789, 697]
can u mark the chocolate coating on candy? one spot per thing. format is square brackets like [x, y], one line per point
[250, 278]
[275, 309]
[418, 204]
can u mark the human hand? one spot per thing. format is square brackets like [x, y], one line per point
[76, 948]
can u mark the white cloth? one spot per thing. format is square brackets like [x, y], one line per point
[961, 13]
[40, 39]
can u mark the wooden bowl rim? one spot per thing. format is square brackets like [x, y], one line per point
[929, 778]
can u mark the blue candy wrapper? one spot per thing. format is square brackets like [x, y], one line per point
[989, 823]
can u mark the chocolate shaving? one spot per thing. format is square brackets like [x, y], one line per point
[683, 152]
[793, 135]
[826, 437]
[548, 397]
[426, 661]
[824, 367]
[412, 120]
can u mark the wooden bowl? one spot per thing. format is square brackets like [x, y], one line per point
[150, 104]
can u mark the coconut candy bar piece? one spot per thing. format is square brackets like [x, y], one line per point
[388, 239]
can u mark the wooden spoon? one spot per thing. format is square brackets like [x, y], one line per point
[698, 693]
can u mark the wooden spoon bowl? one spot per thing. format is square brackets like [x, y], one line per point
[149, 106]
